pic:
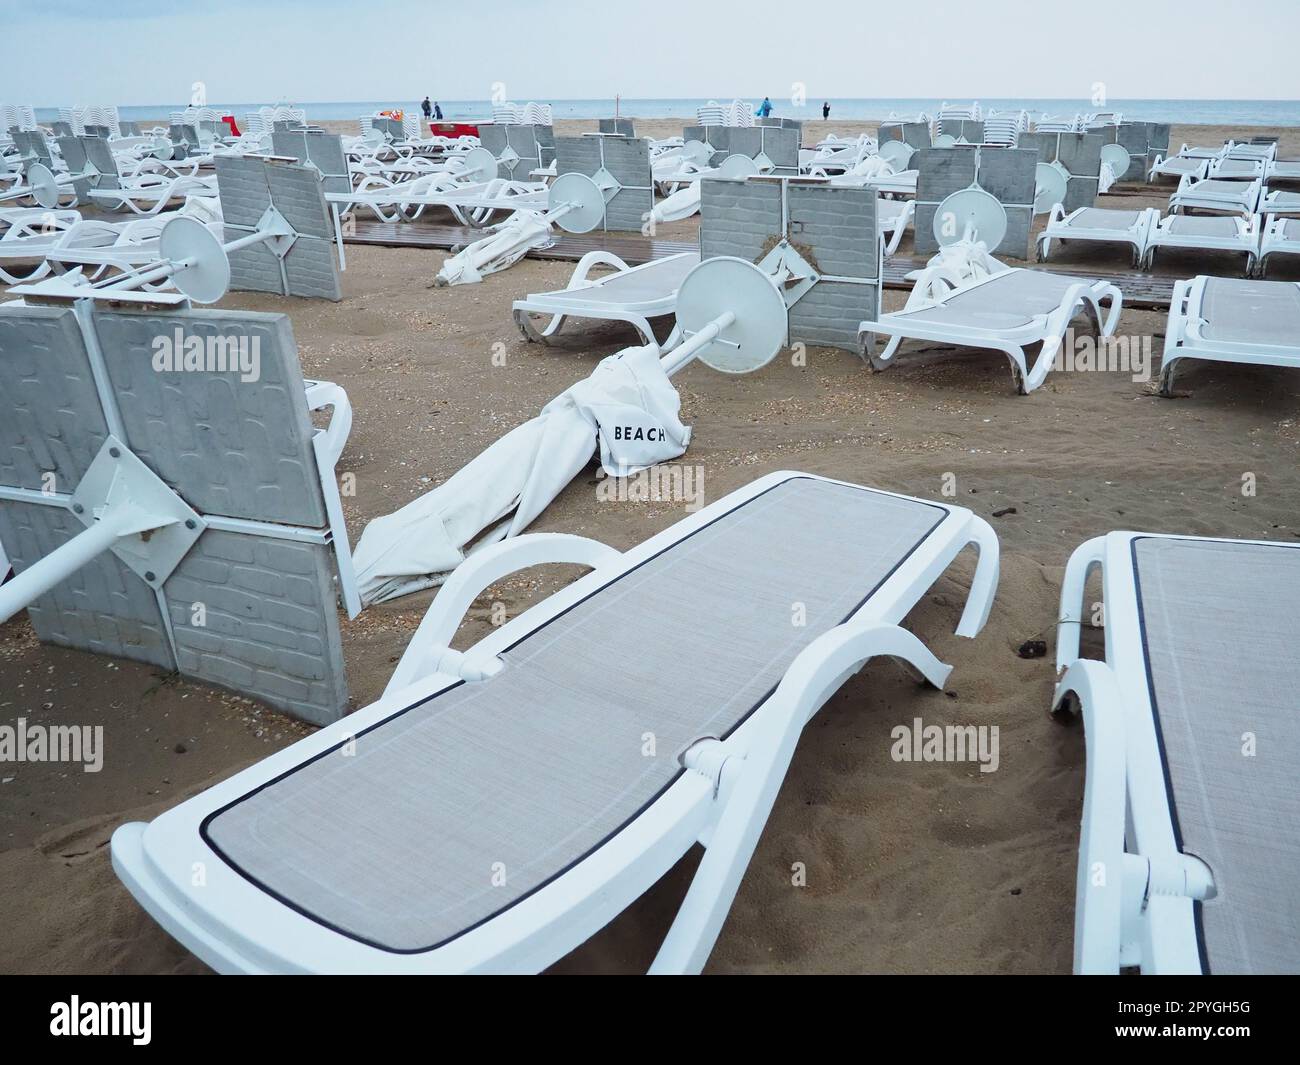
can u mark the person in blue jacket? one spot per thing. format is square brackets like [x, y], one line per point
[765, 108]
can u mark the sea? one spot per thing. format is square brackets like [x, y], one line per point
[1191, 112]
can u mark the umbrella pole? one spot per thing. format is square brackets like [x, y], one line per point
[685, 352]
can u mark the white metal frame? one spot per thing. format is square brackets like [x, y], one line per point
[1244, 239]
[1185, 338]
[722, 800]
[935, 286]
[569, 301]
[1060, 226]
[1135, 890]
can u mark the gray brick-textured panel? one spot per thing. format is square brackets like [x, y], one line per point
[627, 160]
[310, 270]
[829, 313]
[779, 144]
[297, 194]
[50, 416]
[270, 626]
[839, 225]
[917, 134]
[1044, 144]
[1144, 140]
[103, 607]
[969, 129]
[236, 448]
[1008, 174]
[621, 126]
[255, 268]
[1019, 222]
[245, 194]
[1079, 153]
[323, 150]
[577, 155]
[834, 226]
[497, 137]
[942, 171]
[248, 187]
[1005, 173]
[740, 218]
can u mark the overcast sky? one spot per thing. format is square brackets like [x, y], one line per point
[151, 51]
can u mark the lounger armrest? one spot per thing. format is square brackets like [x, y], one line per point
[816, 674]
[1100, 877]
[430, 647]
[588, 262]
[327, 394]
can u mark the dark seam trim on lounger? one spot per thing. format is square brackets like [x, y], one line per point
[204, 824]
[1198, 918]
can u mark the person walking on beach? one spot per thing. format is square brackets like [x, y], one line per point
[427, 109]
[437, 110]
[765, 108]
[826, 111]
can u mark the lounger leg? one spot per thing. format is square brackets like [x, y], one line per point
[984, 585]
[1168, 368]
[811, 679]
[1086, 557]
[531, 333]
[1100, 875]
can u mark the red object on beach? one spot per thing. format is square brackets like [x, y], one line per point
[229, 120]
[453, 129]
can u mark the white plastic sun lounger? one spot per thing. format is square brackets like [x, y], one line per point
[1223, 319]
[1190, 845]
[1179, 166]
[1232, 168]
[496, 807]
[1230, 197]
[1281, 236]
[1280, 201]
[1010, 311]
[1234, 233]
[632, 294]
[1284, 170]
[1099, 225]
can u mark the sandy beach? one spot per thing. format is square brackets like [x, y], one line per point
[910, 868]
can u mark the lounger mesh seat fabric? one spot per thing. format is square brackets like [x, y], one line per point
[1220, 632]
[1104, 218]
[641, 286]
[534, 768]
[1215, 188]
[1006, 301]
[1245, 312]
[1186, 225]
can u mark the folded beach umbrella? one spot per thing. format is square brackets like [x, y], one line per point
[627, 408]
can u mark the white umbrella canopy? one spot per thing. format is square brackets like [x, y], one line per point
[499, 493]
